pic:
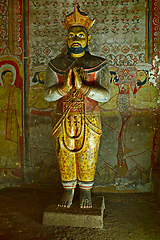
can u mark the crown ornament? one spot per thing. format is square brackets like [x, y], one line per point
[77, 18]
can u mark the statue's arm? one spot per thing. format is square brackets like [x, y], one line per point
[52, 89]
[101, 91]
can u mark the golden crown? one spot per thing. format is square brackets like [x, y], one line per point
[77, 18]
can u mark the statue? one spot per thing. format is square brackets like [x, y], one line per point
[78, 81]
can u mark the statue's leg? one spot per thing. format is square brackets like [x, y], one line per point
[85, 195]
[67, 168]
[86, 166]
[67, 197]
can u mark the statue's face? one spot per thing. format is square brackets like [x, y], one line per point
[77, 39]
[7, 78]
[141, 77]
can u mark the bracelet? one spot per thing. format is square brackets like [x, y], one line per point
[60, 91]
[86, 90]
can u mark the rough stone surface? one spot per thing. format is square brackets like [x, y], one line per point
[75, 216]
[127, 216]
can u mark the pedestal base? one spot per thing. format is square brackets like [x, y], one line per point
[75, 216]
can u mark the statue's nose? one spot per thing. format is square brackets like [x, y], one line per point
[76, 37]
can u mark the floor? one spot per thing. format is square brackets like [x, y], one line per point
[127, 216]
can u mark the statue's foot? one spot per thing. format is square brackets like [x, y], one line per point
[67, 197]
[85, 199]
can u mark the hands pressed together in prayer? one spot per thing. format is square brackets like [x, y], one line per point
[74, 79]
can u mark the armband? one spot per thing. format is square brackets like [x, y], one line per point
[85, 90]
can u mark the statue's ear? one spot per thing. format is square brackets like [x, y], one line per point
[89, 39]
[66, 38]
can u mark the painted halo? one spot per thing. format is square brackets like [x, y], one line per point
[6, 67]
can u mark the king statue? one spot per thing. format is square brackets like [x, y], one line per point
[78, 80]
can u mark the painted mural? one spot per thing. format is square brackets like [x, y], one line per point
[123, 35]
[11, 120]
[11, 94]
[41, 154]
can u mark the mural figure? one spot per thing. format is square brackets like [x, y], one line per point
[146, 96]
[114, 90]
[139, 131]
[10, 120]
[111, 124]
[36, 99]
[40, 111]
[78, 81]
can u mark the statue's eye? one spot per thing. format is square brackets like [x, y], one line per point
[81, 35]
[70, 36]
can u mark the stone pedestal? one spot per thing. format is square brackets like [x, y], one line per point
[75, 216]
